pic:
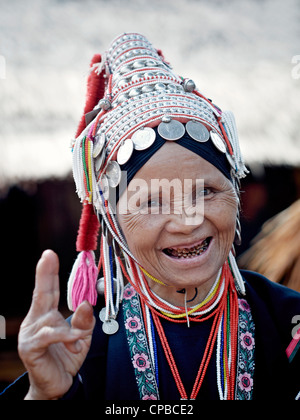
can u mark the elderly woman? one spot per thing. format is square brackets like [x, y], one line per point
[157, 168]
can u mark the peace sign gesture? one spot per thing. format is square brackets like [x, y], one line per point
[51, 349]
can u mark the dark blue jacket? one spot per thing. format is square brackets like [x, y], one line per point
[108, 374]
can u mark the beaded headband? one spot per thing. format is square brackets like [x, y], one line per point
[133, 98]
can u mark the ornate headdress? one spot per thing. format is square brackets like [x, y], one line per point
[135, 103]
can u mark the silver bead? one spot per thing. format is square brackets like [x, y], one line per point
[138, 64]
[134, 92]
[147, 88]
[100, 286]
[122, 98]
[189, 85]
[149, 74]
[104, 104]
[160, 86]
[166, 118]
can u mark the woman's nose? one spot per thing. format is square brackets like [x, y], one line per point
[184, 222]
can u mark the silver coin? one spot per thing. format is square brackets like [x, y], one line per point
[98, 145]
[113, 173]
[102, 314]
[110, 326]
[99, 162]
[172, 130]
[143, 138]
[230, 160]
[103, 186]
[125, 152]
[218, 142]
[197, 131]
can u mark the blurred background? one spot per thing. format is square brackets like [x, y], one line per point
[245, 55]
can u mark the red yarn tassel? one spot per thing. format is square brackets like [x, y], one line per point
[95, 91]
[88, 230]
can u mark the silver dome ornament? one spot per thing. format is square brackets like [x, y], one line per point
[104, 104]
[172, 130]
[197, 131]
[123, 97]
[125, 69]
[138, 64]
[134, 92]
[100, 287]
[160, 86]
[189, 85]
[147, 88]
[166, 118]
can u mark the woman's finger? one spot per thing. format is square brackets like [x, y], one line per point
[46, 292]
[49, 335]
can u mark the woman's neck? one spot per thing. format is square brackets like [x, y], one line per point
[180, 296]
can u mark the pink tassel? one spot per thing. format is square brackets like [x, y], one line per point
[84, 284]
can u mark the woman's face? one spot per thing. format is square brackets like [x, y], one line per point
[171, 244]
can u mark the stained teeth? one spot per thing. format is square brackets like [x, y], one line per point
[188, 252]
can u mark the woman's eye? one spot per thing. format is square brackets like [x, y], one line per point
[149, 204]
[153, 203]
[204, 192]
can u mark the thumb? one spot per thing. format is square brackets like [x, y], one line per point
[83, 317]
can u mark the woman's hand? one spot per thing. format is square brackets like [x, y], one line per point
[51, 349]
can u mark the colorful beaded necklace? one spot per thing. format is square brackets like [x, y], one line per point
[224, 331]
[221, 305]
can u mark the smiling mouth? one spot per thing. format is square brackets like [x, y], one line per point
[188, 252]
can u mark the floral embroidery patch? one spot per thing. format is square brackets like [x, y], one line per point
[138, 346]
[246, 363]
